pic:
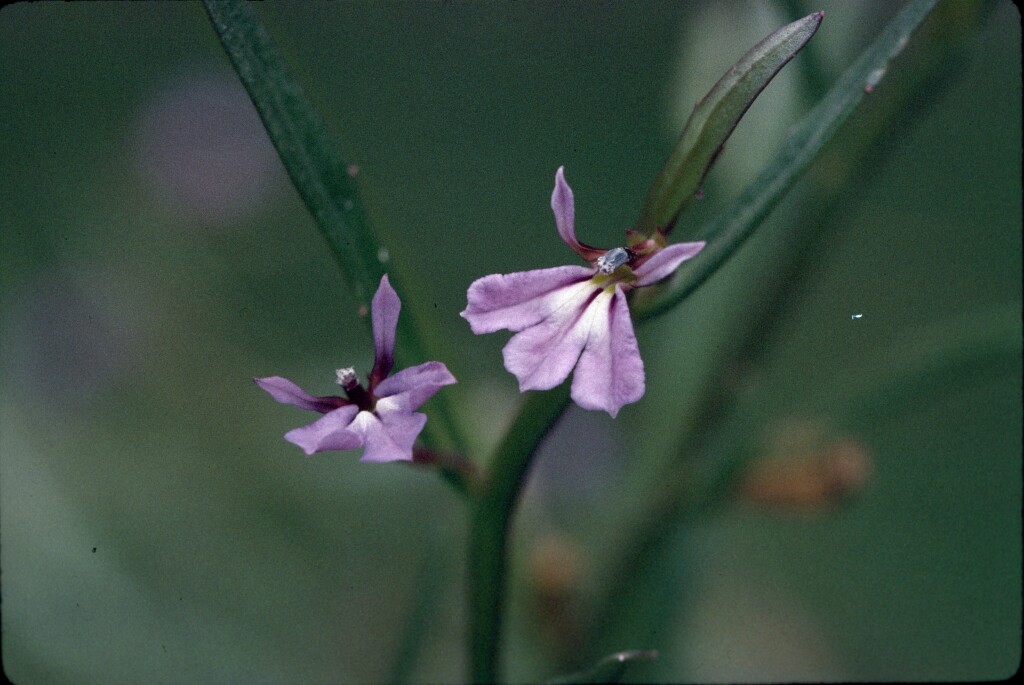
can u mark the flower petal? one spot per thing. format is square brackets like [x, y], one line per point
[388, 437]
[332, 431]
[665, 261]
[519, 300]
[563, 206]
[286, 392]
[385, 308]
[409, 388]
[610, 372]
[542, 356]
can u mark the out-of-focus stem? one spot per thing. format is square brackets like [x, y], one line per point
[489, 527]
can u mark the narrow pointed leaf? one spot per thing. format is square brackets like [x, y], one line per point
[727, 232]
[304, 143]
[611, 669]
[713, 120]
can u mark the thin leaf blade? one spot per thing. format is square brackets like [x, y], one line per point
[713, 120]
[730, 230]
[304, 143]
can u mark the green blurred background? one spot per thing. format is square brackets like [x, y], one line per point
[157, 528]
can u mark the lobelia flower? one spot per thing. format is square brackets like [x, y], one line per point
[382, 416]
[575, 316]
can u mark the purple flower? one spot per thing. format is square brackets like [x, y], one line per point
[380, 417]
[576, 316]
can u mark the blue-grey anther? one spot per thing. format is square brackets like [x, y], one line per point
[612, 260]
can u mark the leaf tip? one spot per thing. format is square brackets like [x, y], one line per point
[815, 18]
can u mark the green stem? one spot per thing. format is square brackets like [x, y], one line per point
[489, 527]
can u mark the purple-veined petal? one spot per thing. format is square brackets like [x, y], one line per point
[388, 437]
[563, 206]
[542, 356]
[286, 392]
[385, 308]
[610, 372]
[409, 388]
[332, 431]
[403, 429]
[519, 300]
[665, 261]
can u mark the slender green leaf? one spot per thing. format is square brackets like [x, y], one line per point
[611, 669]
[713, 120]
[305, 145]
[489, 527]
[726, 233]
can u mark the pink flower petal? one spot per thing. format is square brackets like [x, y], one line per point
[563, 317]
[286, 392]
[563, 206]
[390, 429]
[610, 372]
[409, 388]
[332, 431]
[664, 262]
[386, 306]
[542, 356]
[388, 437]
[519, 300]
